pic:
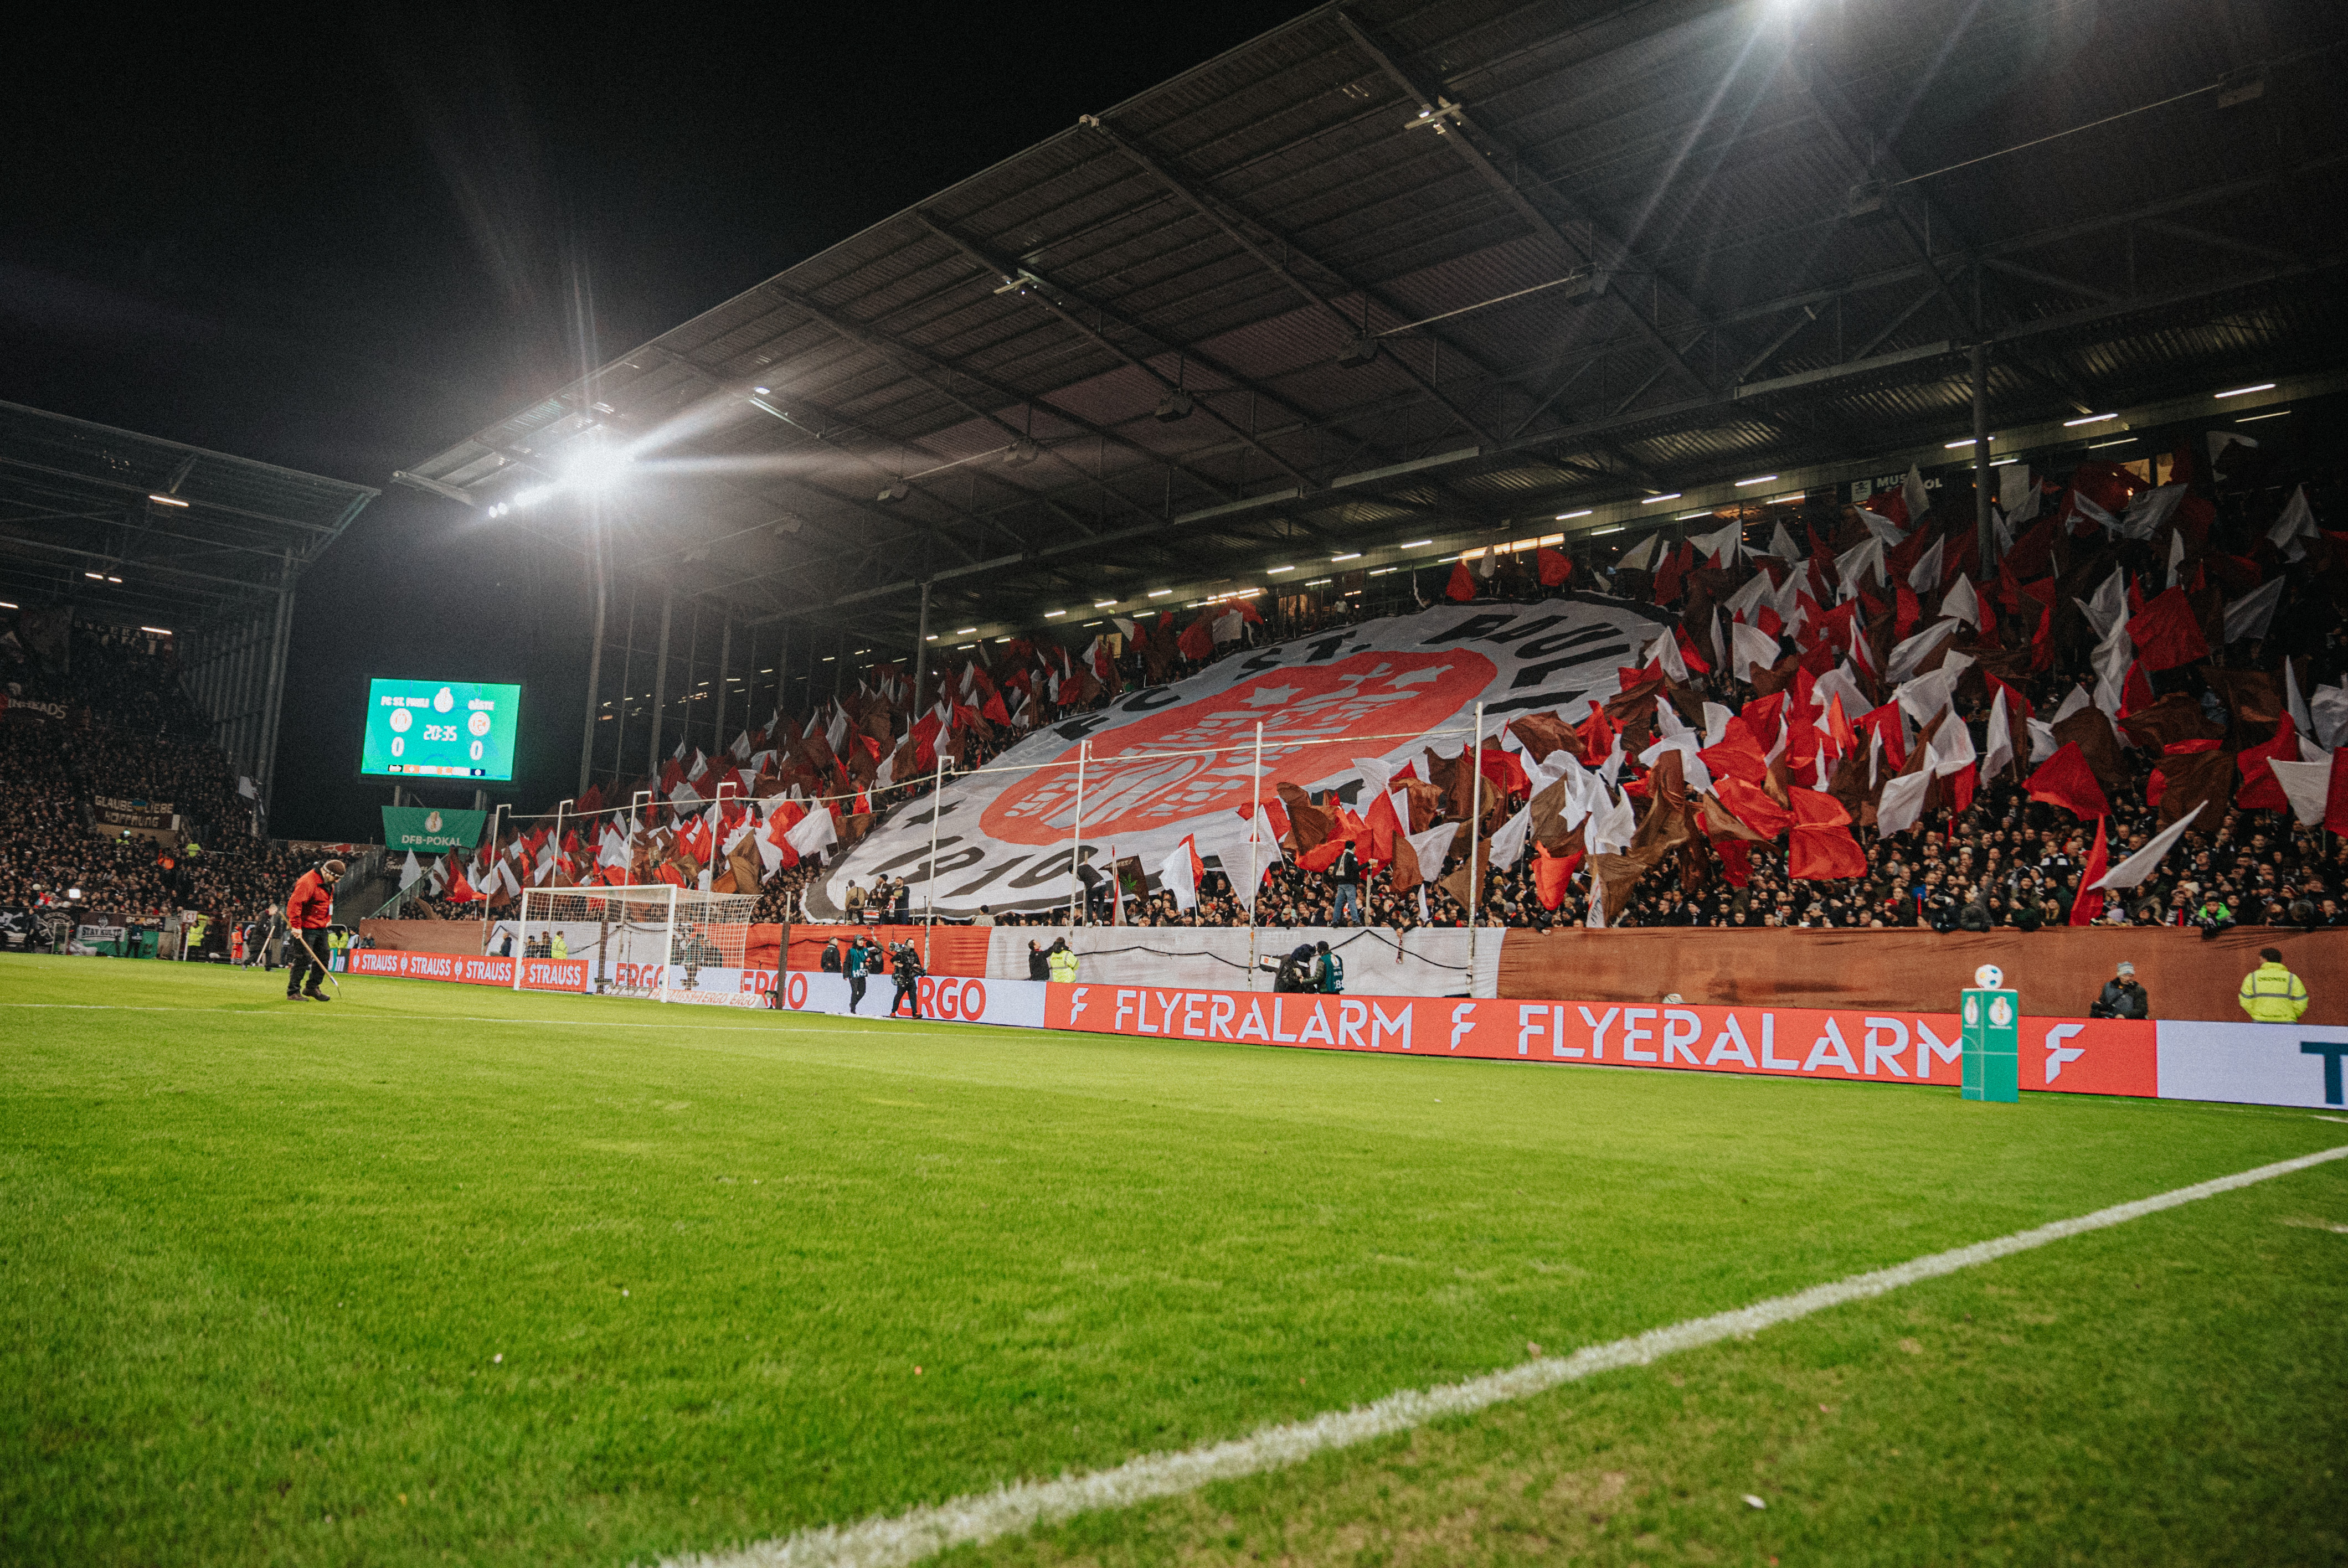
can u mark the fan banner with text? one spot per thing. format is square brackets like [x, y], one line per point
[1385, 691]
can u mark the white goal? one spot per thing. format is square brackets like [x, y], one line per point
[667, 944]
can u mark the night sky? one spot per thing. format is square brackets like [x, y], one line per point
[341, 240]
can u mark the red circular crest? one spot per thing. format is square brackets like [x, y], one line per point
[1316, 719]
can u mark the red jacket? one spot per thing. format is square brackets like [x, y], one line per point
[312, 907]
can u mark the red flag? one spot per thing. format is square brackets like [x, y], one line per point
[2335, 802]
[1838, 730]
[1674, 568]
[2090, 902]
[1507, 774]
[1822, 848]
[1597, 734]
[1463, 583]
[1739, 755]
[2066, 780]
[1197, 642]
[1384, 823]
[1555, 568]
[1696, 662]
[2167, 633]
[2261, 788]
[994, 711]
[1550, 874]
[1755, 807]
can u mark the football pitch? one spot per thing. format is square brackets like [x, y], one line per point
[444, 1274]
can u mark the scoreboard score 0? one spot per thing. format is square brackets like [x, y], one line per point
[440, 730]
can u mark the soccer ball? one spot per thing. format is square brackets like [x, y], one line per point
[1990, 978]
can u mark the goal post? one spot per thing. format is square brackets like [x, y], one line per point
[659, 942]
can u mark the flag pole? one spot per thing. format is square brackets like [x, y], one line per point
[1256, 812]
[1475, 823]
[930, 894]
[1076, 827]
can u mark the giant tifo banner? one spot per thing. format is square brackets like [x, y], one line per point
[1377, 690]
[2256, 1064]
[537, 974]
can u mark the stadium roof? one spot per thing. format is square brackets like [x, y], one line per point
[135, 529]
[1603, 252]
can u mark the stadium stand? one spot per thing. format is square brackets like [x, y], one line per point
[2009, 851]
[100, 719]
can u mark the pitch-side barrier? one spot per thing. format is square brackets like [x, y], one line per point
[2246, 1063]
[2243, 1063]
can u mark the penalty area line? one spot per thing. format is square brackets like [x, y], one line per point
[896, 1540]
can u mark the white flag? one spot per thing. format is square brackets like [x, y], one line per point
[1903, 803]
[1509, 844]
[2307, 785]
[2000, 755]
[1179, 873]
[410, 871]
[2145, 861]
[2249, 616]
[813, 832]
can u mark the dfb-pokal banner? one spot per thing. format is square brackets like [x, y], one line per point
[429, 828]
[1005, 837]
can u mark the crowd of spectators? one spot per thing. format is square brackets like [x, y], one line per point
[104, 716]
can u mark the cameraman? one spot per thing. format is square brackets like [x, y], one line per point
[2122, 997]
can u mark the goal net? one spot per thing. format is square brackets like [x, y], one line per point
[667, 944]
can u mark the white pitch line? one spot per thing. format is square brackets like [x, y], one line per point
[664, 1024]
[894, 1541]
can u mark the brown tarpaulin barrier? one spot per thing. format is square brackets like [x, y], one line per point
[2058, 971]
[954, 949]
[460, 937]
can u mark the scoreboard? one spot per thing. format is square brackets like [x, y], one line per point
[457, 730]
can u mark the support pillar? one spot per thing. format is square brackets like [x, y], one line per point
[660, 680]
[1986, 534]
[922, 655]
[725, 664]
[594, 669]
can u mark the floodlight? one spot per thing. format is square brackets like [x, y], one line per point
[167, 500]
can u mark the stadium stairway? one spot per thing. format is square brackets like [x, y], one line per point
[366, 887]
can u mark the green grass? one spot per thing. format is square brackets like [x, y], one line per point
[258, 1261]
